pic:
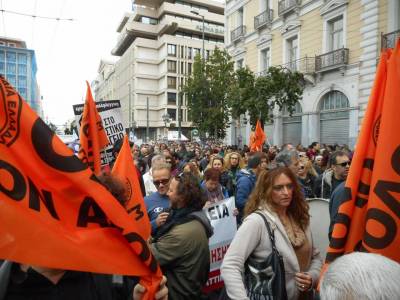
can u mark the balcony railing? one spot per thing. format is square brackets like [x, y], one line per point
[285, 6]
[238, 32]
[305, 65]
[332, 60]
[263, 19]
[389, 39]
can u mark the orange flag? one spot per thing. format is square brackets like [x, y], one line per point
[125, 169]
[368, 220]
[257, 138]
[92, 135]
[53, 211]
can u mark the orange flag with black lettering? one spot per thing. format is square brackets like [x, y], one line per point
[53, 211]
[92, 135]
[258, 138]
[369, 218]
[125, 169]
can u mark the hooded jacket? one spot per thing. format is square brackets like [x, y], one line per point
[246, 180]
[184, 256]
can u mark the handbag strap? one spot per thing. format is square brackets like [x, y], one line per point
[270, 232]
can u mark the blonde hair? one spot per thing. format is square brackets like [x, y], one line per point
[217, 157]
[227, 160]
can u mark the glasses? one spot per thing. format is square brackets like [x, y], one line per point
[161, 181]
[344, 164]
[280, 188]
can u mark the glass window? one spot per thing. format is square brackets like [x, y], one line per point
[172, 66]
[182, 51]
[11, 56]
[11, 68]
[292, 49]
[334, 100]
[196, 51]
[335, 34]
[2, 69]
[2, 55]
[172, 113]
[22, 69]
[239, 64]
[22, 58]
[189, 53]
[23, 92]
[171, 50]
[171, 82]
[265, 56]
[171, 98]
[189, 68]
[12, 79]
[22, 81]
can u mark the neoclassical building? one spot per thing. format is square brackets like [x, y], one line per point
[334, 43]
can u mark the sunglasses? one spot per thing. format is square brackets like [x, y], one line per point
[162, 181]
[344, 164]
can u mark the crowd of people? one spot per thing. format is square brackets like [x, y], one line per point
[178, 180]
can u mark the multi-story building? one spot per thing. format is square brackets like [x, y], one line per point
[157, 45]
[18, 66]
[334, 43]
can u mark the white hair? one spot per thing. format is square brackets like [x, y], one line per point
[364, 276]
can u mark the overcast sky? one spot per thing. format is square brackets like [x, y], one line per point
[67, 53]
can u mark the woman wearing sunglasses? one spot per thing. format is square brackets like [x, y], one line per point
[181, 244]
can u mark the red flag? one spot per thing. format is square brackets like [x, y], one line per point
[53, 211]
[92, 135]
[369, 218]
[257, 138]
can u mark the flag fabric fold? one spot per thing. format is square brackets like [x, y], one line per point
[257, 138]
[369, 218]
[53, 211]
[92, 136]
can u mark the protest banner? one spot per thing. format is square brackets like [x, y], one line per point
[223, 221]
[369, 216]
[54, 212]
[111, 116]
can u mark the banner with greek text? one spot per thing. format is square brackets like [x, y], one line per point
[111, 115]
[223, 221]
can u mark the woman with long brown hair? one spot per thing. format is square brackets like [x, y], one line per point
[277, 195]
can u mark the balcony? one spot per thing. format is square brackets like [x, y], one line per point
[305, 65]
[388, 40]
[286, 6]
[265, 18]
[238, 33]
[332, 60]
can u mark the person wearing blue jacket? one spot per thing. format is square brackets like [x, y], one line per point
[157, 204]
[246, 180]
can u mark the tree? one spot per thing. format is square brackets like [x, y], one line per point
[278, 87]
[241, 92]
[207, 91]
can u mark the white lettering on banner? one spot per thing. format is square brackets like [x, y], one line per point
[223, 221]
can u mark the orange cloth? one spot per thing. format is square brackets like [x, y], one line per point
[257, 138]
[370, 217]
[53, 211]
[92, 136]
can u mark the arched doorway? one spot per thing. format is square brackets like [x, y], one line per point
[334, 118]
[291, 125]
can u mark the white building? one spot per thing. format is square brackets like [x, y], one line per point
[157, 45]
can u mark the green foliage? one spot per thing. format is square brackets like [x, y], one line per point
[215, 92]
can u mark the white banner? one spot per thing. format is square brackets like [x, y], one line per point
[223, 221]
[111, 115]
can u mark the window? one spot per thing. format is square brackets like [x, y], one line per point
[2, 43]
[182, 52]
[182, 68]
[2, 71]
[240, 17]
[171, 50]
[196, 51]
[148, 20]
[171, 98]
[172, 113]
[22, 81]
[172, 66]
[292, 49]
[22, 70]
[189, 68]
[335, 39]
[265, 56]
[22, 58]
[12, 45]
[171, 82]
[189, 53]
[11, 56]
[239, 64]
[207, 54]
[334, 100]
[11, 68]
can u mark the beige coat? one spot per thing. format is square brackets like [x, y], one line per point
[252, 239]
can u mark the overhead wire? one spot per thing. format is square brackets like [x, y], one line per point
[34, 15]
[2, 17]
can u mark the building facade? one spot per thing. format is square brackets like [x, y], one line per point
[157, 44]
[18, 66]
[334, 43]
